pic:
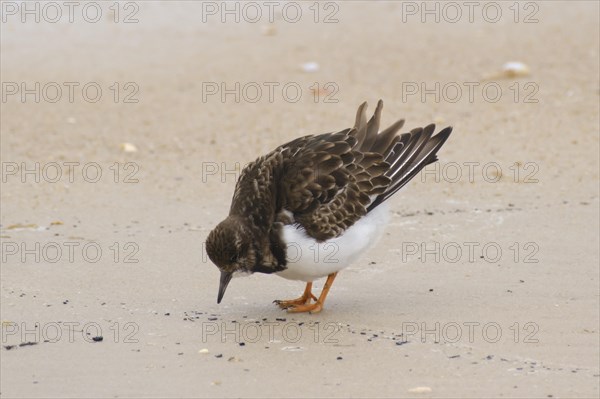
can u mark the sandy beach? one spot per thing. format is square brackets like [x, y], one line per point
[124, 127]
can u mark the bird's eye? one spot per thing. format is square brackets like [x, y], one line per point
[233, 258]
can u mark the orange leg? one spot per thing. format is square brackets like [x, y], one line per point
[317, 306]
[303, 300]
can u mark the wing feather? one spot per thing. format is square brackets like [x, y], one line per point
[329, 181]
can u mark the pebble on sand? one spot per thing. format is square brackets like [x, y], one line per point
[203, 351]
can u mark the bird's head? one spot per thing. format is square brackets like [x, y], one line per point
[229, 246]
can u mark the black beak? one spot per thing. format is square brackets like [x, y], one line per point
[225, 279]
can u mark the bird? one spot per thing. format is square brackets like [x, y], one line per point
[310, 207]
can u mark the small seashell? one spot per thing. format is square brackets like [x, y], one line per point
[203, 351]
[515, 69]
[510, 70]
[268, 30]
[22, 226]
[293, 349]
[310, 67]
[420, 390]
[128, 147]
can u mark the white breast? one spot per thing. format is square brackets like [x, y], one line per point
[309, 260]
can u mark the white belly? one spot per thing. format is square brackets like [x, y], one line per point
[309, 260]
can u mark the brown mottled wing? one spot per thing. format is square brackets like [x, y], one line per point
[329, 180]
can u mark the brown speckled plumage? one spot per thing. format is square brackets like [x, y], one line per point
[323, 183]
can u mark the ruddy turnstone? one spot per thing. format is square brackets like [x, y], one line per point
[310, 207]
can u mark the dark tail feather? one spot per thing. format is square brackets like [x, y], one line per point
[366, 132]
[410, 155]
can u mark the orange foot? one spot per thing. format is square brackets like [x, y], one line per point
[303, 300]
[311, 308]
[303, 304]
